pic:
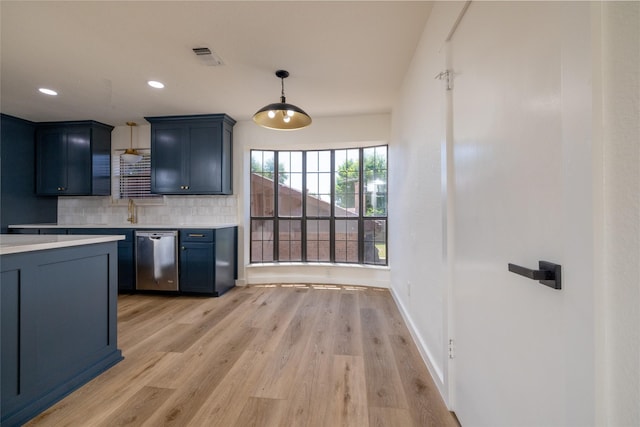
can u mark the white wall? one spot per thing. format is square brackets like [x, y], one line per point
[324, 132]
[418, 207]
[621, 135]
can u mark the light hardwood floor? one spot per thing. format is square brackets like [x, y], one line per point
[272, 355]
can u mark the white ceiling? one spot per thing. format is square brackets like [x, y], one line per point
[344, 57]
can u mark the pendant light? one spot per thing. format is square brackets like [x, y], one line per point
[280, 115]
[131, 155]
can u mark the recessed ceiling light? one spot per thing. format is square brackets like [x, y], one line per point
[48, 91]
[157, 85]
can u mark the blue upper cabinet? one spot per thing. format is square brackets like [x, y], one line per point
[73, 159]
[192, 154]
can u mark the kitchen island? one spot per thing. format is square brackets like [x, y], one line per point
[58, 307]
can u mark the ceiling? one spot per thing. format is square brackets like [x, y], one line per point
[344, 57]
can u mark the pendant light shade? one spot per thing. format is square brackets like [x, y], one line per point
[131, 155]
[280, 115]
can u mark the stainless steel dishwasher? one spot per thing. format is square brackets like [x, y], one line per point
[157, 260]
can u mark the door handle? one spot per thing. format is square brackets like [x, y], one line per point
[548, 273]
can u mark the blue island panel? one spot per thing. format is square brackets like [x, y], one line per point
[59, 313]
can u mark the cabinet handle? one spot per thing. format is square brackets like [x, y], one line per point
[184, 187]
[195, 235]
[183, 248]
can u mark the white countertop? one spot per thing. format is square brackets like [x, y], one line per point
[17, 243]
[130, 226]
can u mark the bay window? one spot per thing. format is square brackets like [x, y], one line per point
[319, 206]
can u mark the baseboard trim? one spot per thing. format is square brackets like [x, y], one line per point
[425, 353]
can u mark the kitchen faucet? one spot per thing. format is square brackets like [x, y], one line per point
[133, 219]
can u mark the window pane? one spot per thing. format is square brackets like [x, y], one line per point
[318, 240]
[352, 252]
[262, 162]
[375, 181]
[290, 183]
[261, 240]
[312, 161]
[318, 183]
[262, 185]
[375, 242]
[346, 241]
[290, 240]
[347, 183]
[261, 196]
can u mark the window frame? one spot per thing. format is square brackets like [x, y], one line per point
[304, 218]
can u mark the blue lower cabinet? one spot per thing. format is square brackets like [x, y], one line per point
[53, 231]
[126, 266]
[207, 258]
[208, 261]
[226, 258]
[47, 230]
[196, 267]
[126, 260]
[24, 231]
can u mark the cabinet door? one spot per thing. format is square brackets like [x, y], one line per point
[196, 267]
[78, 161]
[126, 267]
[191, 154]
[205, 158]
[51, 155]
[126, 262]
[168, 159]
[126, 257]
[64, 161]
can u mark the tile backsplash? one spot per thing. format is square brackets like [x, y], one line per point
[170, 211]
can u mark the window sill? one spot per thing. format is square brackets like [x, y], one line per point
[318, 264]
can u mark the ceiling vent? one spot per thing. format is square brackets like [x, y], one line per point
[208, 57]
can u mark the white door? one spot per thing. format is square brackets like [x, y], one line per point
[523, 192]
